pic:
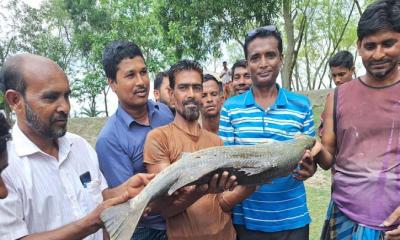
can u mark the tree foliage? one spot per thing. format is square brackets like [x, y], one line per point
[75, 32]
[197, 28]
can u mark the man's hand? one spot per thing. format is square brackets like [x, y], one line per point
[221, 183]
[395, 233]
[132, 187]
[135, 184]
[307, 167]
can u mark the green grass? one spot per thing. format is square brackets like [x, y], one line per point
[318, 190]
[88, 128]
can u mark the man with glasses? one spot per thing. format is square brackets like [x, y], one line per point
[277, 210]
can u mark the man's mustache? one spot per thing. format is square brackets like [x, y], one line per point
[140, 89]
[59, 117]
[194, 102]
[384, 61]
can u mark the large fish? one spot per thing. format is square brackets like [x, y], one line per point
[251, 164]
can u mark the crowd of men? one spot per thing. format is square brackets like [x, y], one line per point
[54, 185]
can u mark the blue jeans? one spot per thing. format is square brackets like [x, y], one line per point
[144, 233]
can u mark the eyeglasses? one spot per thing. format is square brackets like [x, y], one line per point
[269, 28]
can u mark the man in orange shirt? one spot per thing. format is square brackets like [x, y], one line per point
[197, 214]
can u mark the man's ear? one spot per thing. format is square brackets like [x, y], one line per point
[171, 96]
[14, 99]
[112, 84]
[156, 94]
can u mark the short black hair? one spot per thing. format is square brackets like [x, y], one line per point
[240, 63]
[263, 33]
[11, 76]
[183, 65]
[342, 59]
[4, 133]
[380, 15]
[210, 77]
[159, 79]
[115, 52]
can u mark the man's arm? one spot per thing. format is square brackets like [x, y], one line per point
[228, 199]
[82, 228]
[306, 166]
[390, 221]
[325, 156]
[12, 216]
[157, 158]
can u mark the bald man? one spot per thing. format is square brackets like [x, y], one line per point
[55, 187]
[4, 137]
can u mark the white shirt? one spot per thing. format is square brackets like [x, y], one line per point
[45, 194]
[227, 76]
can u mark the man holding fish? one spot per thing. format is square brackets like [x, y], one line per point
[201, 212]
[55, 187]
[277, 210]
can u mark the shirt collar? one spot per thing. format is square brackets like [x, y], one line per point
[25, 147]
[281, 99]
[152, 107]
[196, 133]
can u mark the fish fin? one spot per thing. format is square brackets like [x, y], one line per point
[181, 182]
[251, 170]
[121, 220]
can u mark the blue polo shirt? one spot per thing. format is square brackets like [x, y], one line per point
[120, 144]
[280, 205]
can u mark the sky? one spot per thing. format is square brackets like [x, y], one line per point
[33, 3]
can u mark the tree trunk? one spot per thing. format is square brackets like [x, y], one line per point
[290, 45]
[105, 93]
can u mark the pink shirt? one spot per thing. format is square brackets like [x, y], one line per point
[367, 180]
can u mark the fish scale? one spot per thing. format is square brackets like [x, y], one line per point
[251, 164]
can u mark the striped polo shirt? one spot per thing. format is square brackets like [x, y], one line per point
[280, 205]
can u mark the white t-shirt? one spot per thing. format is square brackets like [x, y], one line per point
[227, 77]
[45, 194]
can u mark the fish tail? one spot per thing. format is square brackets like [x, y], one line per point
[121, 220]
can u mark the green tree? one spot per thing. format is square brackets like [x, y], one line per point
[324, 28]
[86, 90]
[196, 29]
